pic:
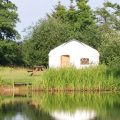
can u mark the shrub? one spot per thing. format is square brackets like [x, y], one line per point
[114, 67]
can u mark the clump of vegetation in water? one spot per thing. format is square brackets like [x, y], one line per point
[86, 79]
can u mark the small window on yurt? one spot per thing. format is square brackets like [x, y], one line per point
[84, 61]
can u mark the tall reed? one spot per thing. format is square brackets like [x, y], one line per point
[92, 78]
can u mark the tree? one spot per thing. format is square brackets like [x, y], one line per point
[10, 53]
[79, 16]
[110, 52]
[45, 36]
[8, 20]
[109, 15]
[110, 47]
[81, 21]
[108, 19]
[59, 12]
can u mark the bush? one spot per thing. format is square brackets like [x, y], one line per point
[110, 50]
[10, 53]
[114, 67]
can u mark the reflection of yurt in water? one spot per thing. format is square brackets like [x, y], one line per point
[77, 115]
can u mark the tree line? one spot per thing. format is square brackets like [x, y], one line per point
[99, 28]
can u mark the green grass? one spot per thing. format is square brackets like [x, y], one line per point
[9, 75]
[92, 78]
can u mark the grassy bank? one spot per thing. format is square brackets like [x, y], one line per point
[93, 78]
[9, 75]
[88, 79]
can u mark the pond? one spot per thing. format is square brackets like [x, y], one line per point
[60, 106]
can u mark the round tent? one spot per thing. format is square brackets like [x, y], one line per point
[73, 53]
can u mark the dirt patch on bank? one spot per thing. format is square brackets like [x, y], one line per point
[8, 90]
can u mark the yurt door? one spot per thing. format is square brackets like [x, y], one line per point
[65, 60]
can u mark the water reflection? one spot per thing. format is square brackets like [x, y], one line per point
[60, 106]
[77, 115]
[18, 116]
[22, 111]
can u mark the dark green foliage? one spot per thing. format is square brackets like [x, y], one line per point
[60, 12]
[8, 19]
[110, 47]
[79, 16]
[91, 35]
[114, 67]
[10, 53]
[46, 35]
[110, 54]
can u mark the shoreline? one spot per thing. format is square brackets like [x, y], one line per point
[9, 89]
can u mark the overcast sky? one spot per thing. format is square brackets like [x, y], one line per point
[30, 11]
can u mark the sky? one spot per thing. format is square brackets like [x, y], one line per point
[30, 11]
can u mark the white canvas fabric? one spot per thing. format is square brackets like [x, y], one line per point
[76, 50]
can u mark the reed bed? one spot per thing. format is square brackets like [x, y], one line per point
[86, 79]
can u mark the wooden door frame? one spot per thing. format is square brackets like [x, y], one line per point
[61, 59]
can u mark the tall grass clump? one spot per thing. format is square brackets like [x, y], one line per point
[114, 67]
[92, 78]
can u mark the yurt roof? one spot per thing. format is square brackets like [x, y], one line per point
[72, 47]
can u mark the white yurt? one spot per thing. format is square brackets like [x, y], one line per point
[73, 53]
